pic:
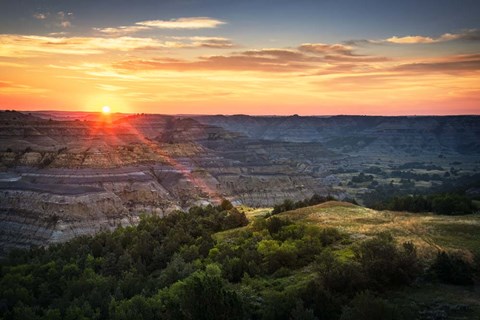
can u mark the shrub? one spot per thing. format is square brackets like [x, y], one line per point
[452, 269]
[386, 265]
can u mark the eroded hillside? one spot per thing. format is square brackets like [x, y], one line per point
[63, 178]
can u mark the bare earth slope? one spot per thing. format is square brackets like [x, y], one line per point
[65, 174]
[59, 179]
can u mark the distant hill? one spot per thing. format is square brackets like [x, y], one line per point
[353, 134]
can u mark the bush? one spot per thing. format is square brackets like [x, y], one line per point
[386, 265]
[345, 278]
[274, 224]
[452, 269]
[288, 204]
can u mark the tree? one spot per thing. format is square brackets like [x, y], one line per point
[205, 296]
[226, 205]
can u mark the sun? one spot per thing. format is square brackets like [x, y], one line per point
[106, 109]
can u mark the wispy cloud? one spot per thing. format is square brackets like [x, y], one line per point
[322, 48]
[183, 23]
[27, 46]
[421, 39]
[466, 34]
[469, 34]
[109, 87]
[40, 16]
[307, 57]
[121, 31]
[452, 64]
[64, 19]
[60, 19]
[10, 87]
[30, 46]
[180, 23]
[204, 42]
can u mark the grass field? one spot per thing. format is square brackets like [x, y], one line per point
[430, 233]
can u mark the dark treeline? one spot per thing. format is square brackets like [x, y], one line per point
[189, 266]
[415, 176]
[288, 204]
[445, 203]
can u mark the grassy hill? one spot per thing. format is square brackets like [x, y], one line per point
[428, 232]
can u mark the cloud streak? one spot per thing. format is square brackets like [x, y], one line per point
[469, 34]
[190, 23]
[453, 64]
[305, 58]
[183, 23]
[31, 46]
[40, 16]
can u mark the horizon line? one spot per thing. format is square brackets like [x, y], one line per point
[251, 115]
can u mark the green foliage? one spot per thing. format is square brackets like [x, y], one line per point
[288, 204]
[448, 204]
[386, 265]
[362, 178]
[204, 296]
[80, 278]
[226, 205]
[452, 204]
[344, 278]
[195, 265]
[452, 269]
[274, 225]
[410, 204]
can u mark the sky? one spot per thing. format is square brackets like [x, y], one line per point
[260, 57]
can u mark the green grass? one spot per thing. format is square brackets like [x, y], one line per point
[441, 296]
[459, 235]
[428, 232]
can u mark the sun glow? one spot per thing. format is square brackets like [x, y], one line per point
[106, 109]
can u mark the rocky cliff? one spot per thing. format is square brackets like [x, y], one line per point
[63, 175]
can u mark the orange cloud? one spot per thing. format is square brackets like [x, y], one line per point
[204, 42]
[180, 23]
[321, 48]
[308, 57]
[121, 30]
[183, 23]
[10, 87]
[26, 46]
[29, 45]
[452, 64]
[148, 74]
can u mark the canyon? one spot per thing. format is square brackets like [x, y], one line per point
[68, 174]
